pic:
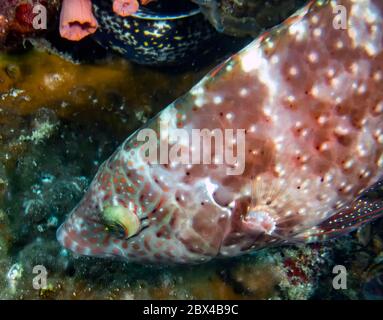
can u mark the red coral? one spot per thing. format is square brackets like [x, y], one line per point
[24, 14]
[295, 272]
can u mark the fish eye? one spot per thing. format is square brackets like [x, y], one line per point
[117, 229]
[121, 221]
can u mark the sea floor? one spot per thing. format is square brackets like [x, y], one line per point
[58, 122]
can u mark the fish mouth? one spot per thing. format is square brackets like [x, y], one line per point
[84, 242]
[83, 233]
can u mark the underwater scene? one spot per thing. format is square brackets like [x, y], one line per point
[191, 149]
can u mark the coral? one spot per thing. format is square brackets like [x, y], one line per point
[77, 20]
[302, 266]
[118, 88]
[287, 273]
[125, 8]
[257, 277]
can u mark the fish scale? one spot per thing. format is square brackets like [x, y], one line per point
[309, 98]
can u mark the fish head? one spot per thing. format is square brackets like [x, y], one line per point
[96, 229]
[108, 219]
[143, 222]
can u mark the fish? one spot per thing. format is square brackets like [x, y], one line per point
[302, 110]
